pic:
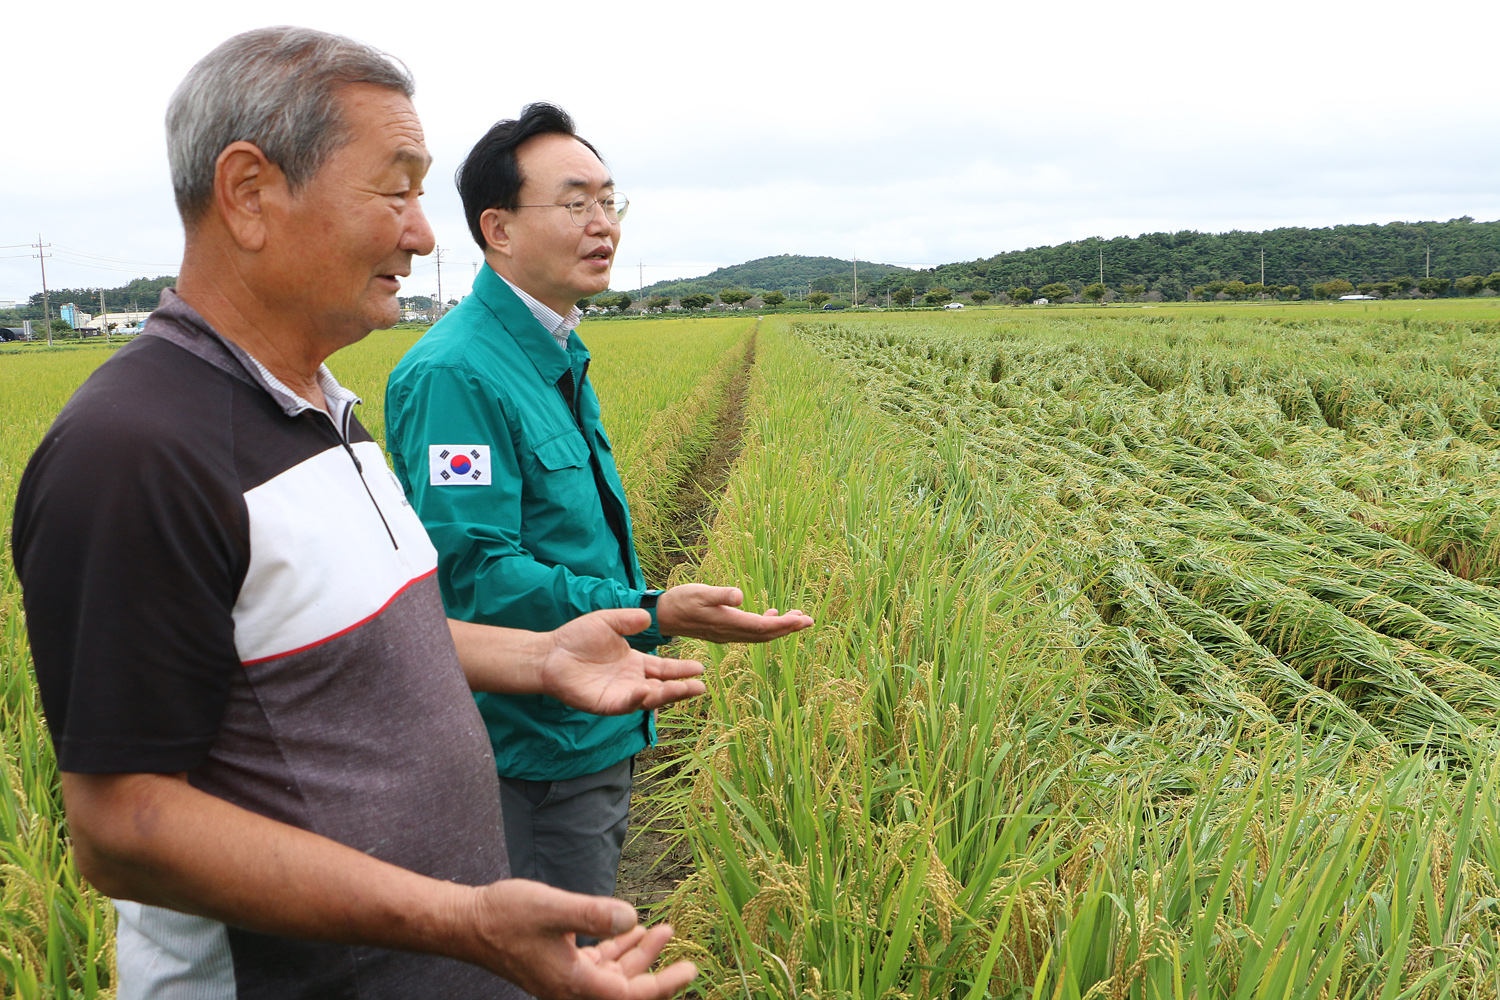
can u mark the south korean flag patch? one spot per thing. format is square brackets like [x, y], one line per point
[458, 464]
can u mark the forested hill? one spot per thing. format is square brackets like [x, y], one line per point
[139, 295]
[787, 273]
[1172, 263]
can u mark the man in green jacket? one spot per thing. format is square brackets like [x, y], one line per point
[493, 429]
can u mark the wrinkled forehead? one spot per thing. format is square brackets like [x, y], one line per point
[386, 123]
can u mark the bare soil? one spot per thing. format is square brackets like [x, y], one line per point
[697, 497]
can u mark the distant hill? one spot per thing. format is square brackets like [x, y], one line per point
[1171, 263]
[787, 273]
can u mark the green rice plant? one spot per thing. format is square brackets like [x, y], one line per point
[56, 931]
[656, 460]
[851, 813]
[1164, 856]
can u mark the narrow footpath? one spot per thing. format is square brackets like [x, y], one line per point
[696, 499]
[652, 865]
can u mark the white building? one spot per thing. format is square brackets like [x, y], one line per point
[120, 320]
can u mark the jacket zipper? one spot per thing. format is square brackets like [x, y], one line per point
[578, 395]
[359, 469]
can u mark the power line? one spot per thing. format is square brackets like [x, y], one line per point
[141, 272]
[113, 260]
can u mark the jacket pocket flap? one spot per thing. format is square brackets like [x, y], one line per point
[566, 451]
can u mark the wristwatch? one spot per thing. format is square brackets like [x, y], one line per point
[648, 602]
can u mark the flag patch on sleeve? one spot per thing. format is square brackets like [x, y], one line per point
[458, 464]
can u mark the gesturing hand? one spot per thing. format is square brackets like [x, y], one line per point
[713, 613]
[525, 931]
[592, 668]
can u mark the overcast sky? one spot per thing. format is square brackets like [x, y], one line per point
[911, 133]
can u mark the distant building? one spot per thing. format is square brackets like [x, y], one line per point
[119, 320]
[73, 316]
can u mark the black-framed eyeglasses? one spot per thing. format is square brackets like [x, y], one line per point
[581, 209]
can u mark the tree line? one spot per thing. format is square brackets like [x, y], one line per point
[139, 295]
[1174, 265]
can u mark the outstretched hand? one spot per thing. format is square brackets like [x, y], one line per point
[525, 931]
[713, 613]
[592, 668]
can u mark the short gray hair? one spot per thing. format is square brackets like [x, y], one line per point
[276, 88]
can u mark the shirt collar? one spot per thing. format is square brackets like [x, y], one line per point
[559, 326]
[339, 399]
[496, 296]
[180, 323]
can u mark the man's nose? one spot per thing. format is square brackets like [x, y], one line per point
[598, 223]
[418, 236]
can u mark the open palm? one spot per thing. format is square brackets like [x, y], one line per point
[592, 668]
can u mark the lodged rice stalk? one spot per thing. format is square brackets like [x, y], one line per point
[946, 790]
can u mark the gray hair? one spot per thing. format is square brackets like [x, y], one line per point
[276, 88]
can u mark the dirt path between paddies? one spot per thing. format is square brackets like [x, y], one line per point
[652, 865]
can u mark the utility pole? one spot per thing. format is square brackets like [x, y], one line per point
[103, 315]
[42, 255]
[1263, 269]
[1427, 275]
[640, 280]
[856, 279]
[437, 255]
[1101, 267]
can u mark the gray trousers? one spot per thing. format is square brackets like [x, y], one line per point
[568, 833]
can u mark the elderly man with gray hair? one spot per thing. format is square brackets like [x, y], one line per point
[269, 751]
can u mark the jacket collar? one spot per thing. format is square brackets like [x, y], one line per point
[176, 321]
[526, 329]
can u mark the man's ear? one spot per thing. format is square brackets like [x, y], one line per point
[243, 177]
[494, 223]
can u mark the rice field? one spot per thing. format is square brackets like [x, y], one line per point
[1158, 653]
[1154, 659]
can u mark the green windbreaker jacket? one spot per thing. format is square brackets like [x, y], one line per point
[511, 471]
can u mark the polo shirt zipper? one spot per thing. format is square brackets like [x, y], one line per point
[343, 433]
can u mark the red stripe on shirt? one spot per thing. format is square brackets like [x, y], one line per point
[345, 631]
